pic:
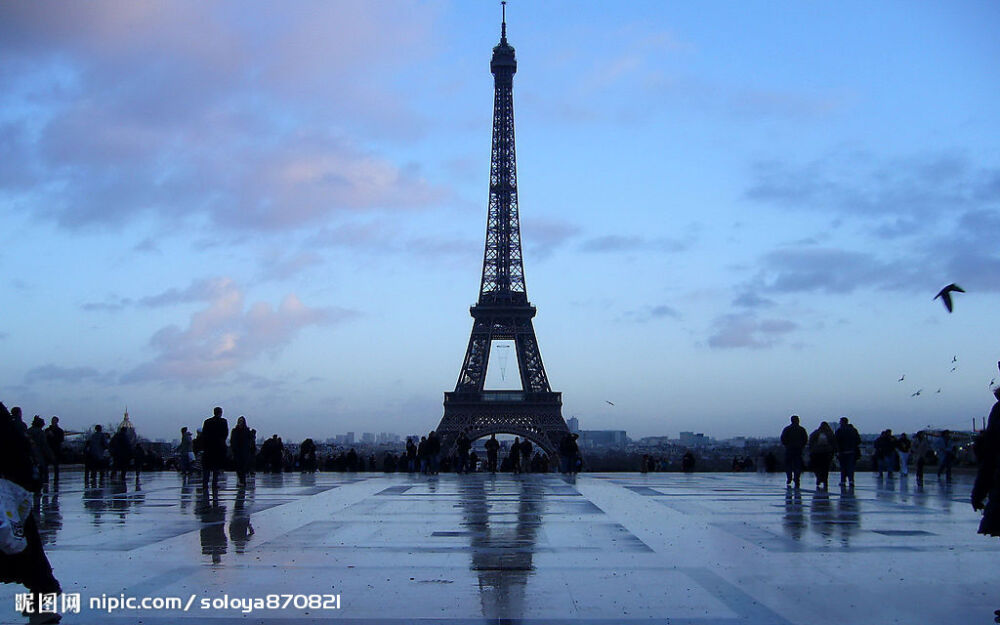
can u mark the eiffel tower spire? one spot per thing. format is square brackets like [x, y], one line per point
[503, 312]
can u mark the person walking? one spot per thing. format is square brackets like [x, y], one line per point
[946, 455]
[214, 432]
[492, 451]
[526, 449]
[885, 453]
[515, 455]
[121, 452]
[241, 444]
[41, 450]
[94, 455]
[463, 444]
[185, 453]
[794, 437]
[848, 444]
[822, 445]
[55, 436]
[921, 449]
[903, 446]
[29, 567]
[986, 489]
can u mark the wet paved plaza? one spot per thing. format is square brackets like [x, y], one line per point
[609, 548]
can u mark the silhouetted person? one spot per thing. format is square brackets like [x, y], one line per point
[687, 462]
[29, 567]
[214, 432]
[822, 445]
[921, 450]
[794, 437]
[241, 444]
[352, 460]
[185, 453]
[434, 451]
[55, 436]
[425, 462]
[121, 452]
[307, 456]
[492, 450]
[515, 455]
[411, 455]
[93, 455]
[41, 450]
[903, 446]
[526, 455]
[473, 462]
[885, 452]
[986, 490]
[946, 454]
[463, 444]
[848, 442]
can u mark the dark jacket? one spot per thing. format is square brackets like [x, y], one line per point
[848, 439]
[987, 479]
[794, 437]
[214, 432]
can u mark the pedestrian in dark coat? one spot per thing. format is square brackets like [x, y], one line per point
[794, 437]
[822, 445]
[29, 567]
[848, 442]
[214, 433]
[986, 491]
[241, 443]
[55, 436]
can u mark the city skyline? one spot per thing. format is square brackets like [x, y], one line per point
[729, 213]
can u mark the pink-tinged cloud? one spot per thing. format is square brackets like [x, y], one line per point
[226, 334]
[242, 115]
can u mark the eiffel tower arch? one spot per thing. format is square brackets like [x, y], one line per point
[503, 315]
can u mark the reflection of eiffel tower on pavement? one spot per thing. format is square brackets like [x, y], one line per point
[503, 536]
[503, 314]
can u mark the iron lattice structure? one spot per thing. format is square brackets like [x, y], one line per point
[503, 311]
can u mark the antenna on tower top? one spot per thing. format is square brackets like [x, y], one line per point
[503, 20]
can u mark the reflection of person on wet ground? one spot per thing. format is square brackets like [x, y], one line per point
[848, 450]
[214, 433]
[29, 567]
[986, 490]
[241, 444]
[212, 515]
[794, 437]
[794, 519]
[821, 513]
[240, 529]
[515, 455]
[492, 450]
[822, 445]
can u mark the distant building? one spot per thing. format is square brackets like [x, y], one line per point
[368, 437]
[603, 438]
[349, 438]
[690, 439]
[574, 424]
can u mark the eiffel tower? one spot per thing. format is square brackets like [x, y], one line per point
[503, 313]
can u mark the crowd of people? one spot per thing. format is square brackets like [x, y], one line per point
[890, 453]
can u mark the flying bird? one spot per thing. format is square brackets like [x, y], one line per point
[954, 358]
[993, 381]
[945, 295]
[903, 377]
[917, 394]
[954, 369]
[608, 402]
[939, 390]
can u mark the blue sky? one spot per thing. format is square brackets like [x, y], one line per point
[730, 211]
